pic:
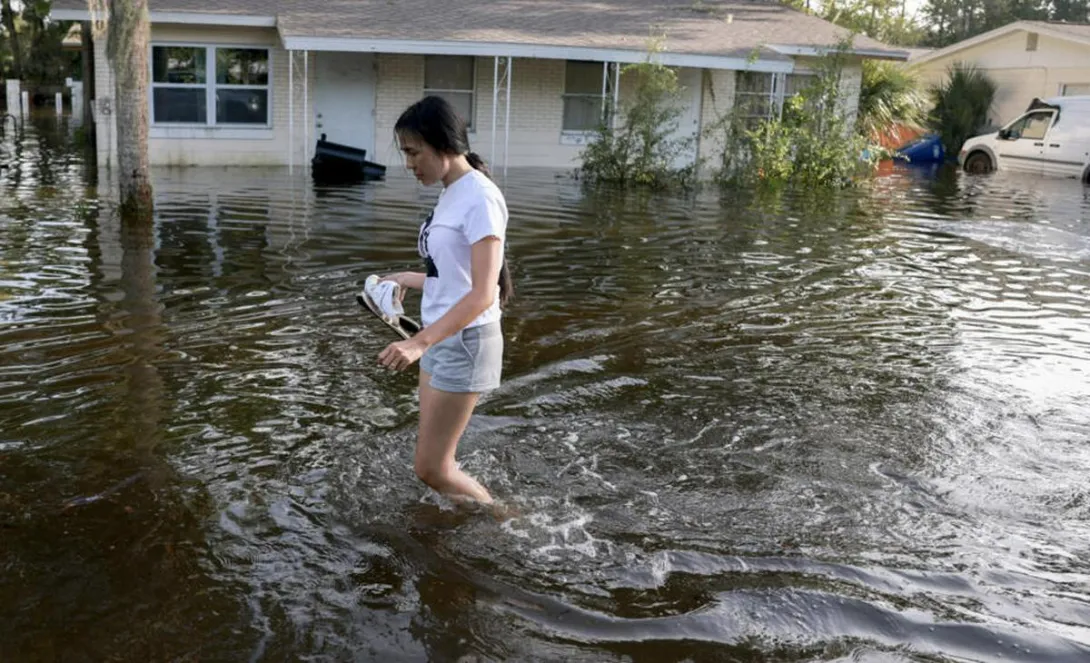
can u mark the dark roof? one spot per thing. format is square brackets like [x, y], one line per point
[700, 27]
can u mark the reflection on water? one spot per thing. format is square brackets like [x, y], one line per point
[740, 427]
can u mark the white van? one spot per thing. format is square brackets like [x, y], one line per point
[1052, 137]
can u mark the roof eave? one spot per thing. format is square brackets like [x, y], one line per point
[539, 51]
[815, 51]
[183, 18]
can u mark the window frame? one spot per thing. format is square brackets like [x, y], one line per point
[1064, 86]
[210, 86]
[1024, 120]
[776, 94]
[472, 90]
[598, 96]
[739, 94]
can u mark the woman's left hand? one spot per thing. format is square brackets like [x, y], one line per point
[399, 356]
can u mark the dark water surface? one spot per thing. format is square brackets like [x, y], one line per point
[740, 428]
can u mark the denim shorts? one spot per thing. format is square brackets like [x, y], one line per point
[469, 361]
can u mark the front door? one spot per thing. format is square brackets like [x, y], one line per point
[344, 99]
[1021, 145]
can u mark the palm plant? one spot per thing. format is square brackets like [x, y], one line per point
[889, 98]
[961, 105]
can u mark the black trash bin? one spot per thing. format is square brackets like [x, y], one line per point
[334, 163]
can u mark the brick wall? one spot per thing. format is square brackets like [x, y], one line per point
[851, 81]
[537, 109]
[400, 83]
[200, 146]
[715, 113]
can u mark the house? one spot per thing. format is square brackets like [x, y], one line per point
[1026, 59]
[256, 82]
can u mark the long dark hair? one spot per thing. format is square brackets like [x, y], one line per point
[435, 122]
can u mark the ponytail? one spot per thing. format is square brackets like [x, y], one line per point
[507, 290]
[478, 163]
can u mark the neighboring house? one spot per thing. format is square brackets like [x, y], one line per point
[1026, 59]
[255, 82]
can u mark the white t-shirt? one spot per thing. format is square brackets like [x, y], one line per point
[469, 210]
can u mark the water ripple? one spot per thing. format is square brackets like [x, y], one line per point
[733, 426]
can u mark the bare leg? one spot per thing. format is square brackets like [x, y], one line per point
[443, 419]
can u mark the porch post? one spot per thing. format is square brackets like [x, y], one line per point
[307, 119]
[495, 103]
[507, 116]
[291, 112]
[775, 105]
[605, 89]
[616, 94]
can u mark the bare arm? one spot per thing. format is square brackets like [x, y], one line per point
[486, 261]
[414, 280]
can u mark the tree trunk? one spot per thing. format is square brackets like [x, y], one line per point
[128, 33]
[9, 24]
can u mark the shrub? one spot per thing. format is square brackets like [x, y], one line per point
[961, 105]
[643, 148]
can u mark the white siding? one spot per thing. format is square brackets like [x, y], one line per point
[1020, 75]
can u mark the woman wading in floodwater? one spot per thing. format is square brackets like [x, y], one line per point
[466, 283]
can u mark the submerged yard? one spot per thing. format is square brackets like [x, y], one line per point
[736, 427]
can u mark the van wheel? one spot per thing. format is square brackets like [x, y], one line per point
[978, 163]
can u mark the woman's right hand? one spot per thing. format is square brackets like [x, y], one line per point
[406, 280]
[396, 278]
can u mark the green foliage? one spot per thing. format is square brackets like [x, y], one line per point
[643, 148]
[40, 45]
[960, 105]
[950, 21]
[771, 146]
[938, 22]
[889, 95]
[811, 143]
[6, 63]
[884, 20]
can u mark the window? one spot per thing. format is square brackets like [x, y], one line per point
[186, 81]
[753, 98]
[242, 86]
[1031, 41]
[760, 96]
[1071, 89]
[1031, 127]
[582, 96]
[179, 85]
[451, 77]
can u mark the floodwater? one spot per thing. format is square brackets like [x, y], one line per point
[775, 427]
